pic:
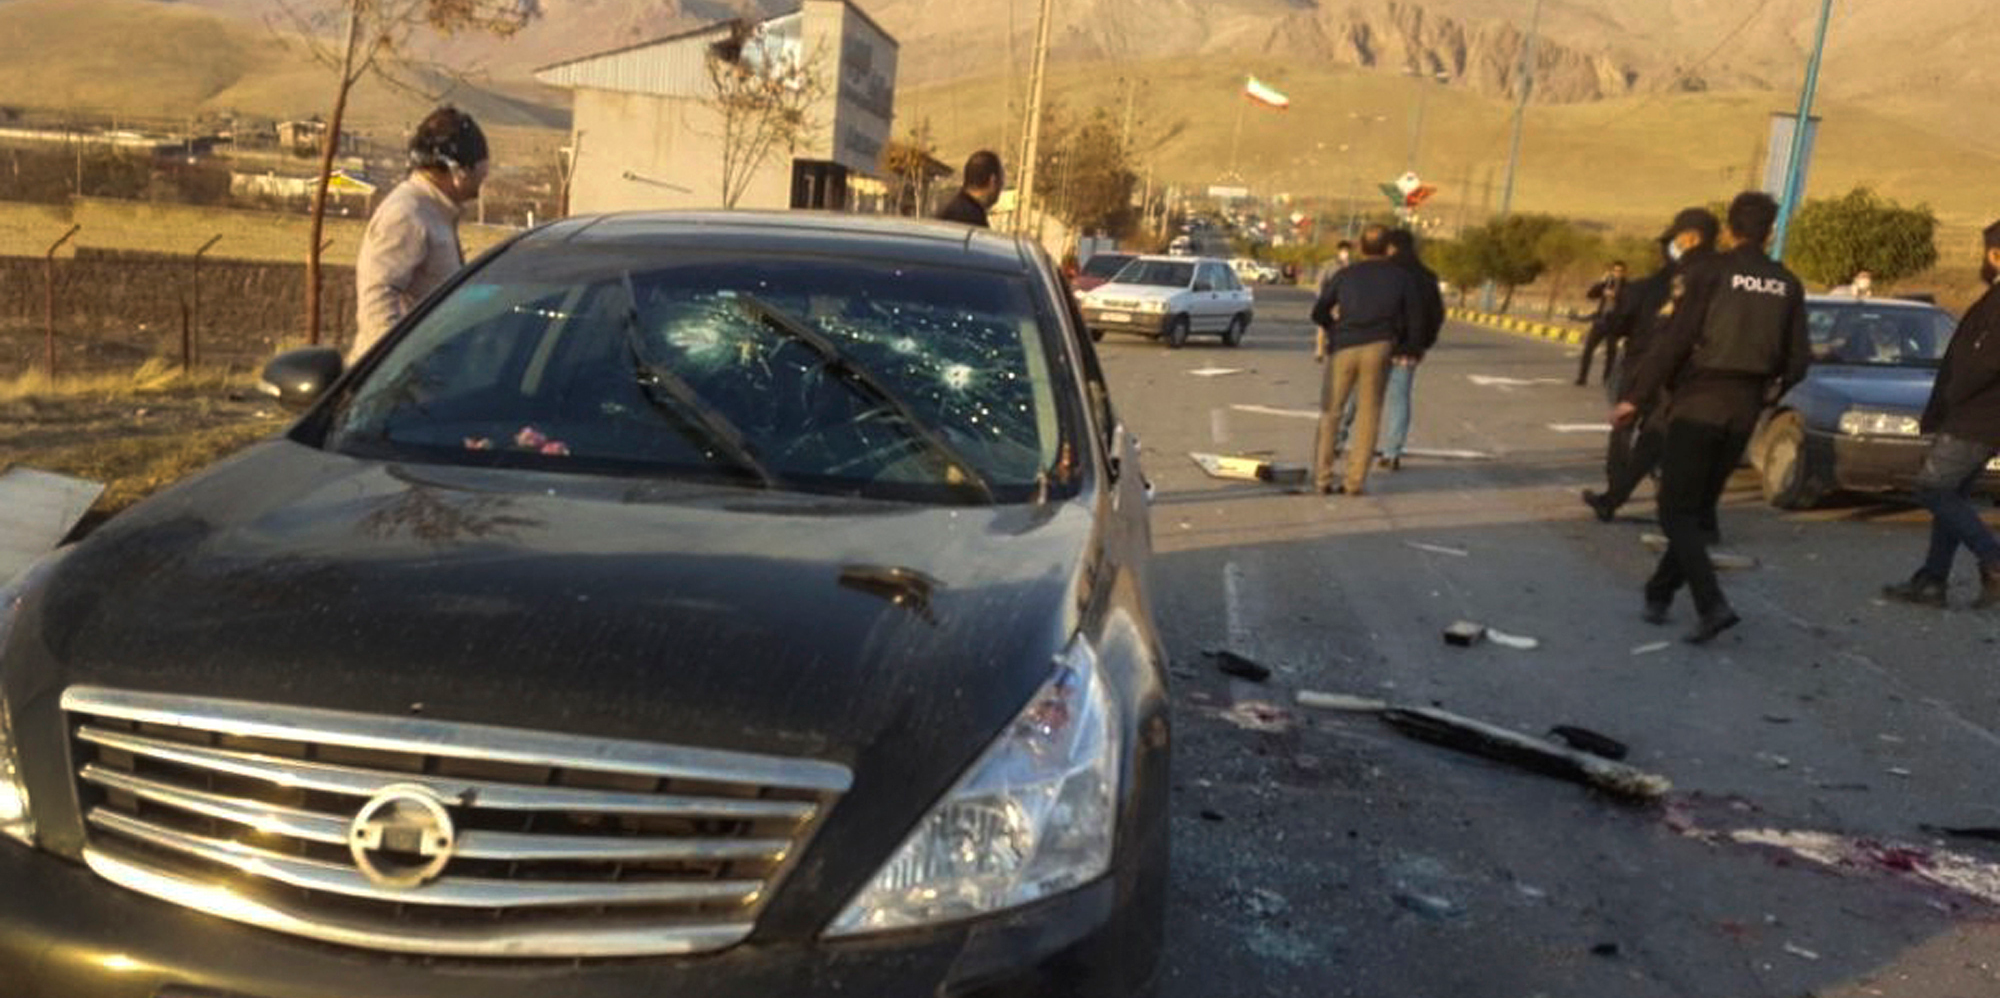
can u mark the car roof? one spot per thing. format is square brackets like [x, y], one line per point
[898, 240]
[1159, 258]
[1871, 302]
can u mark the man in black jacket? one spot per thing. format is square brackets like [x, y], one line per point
[1964, 413]
[983, 182]
[1606, 294]
[1403, 360]
[1367, 313]
[1633, 451]
[1738, 331]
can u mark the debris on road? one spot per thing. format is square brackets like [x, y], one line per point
[1586, 740]
[1257, 715]
[1215, 372]
[1981, 834]
[1777, 719]
[1429, 905]
[1955, 872]
[1898, 771]
[1801, 952]
[1653, 648]
[1233, 664]
[1340, 702]
[1727, 561]
[1774, 760]
[37, 510]
[1209, 815]
[1438, 549]
[1515, 641]
[1464, 634]
[1580, 427]
[1245, 468]
[1266, 410]
[1609, 951]
[1263, 903]
[1479, 738]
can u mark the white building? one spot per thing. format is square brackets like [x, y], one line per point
[645, 132]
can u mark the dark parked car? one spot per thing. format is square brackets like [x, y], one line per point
[1100, 269]
[696, 605]
[1852, 424]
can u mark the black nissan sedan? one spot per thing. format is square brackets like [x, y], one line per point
[1852, 424]
[676, 604]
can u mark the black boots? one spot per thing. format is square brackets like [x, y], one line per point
[1598, 505]
[1713, 623]
[1989, 588]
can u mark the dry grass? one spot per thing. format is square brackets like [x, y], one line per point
[137, 431]
[153, 378]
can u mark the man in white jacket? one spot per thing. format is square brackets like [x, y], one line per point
[411, 246]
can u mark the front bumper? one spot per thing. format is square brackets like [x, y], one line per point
[64, 933]
[1879, 464]
[1122, 321]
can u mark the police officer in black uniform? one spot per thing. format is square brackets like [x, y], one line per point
[1737, 331]
[1633, 451]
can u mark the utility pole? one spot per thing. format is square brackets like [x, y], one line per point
[1131, 92]
[1520, 120]
[1795, 170]
[1026, 201]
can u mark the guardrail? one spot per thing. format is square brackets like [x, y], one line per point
[1525, 327]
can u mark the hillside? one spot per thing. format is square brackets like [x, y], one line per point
[1631, 161]
[152, 59]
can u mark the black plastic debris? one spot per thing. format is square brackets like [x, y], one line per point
[1586, 740]
[1242, 668]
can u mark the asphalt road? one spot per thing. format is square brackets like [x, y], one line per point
[1325, 854]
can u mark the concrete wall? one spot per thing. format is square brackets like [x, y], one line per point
[663, 140]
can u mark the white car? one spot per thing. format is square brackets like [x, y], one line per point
[1254, 271]
[1171, 298]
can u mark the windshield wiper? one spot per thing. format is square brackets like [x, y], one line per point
[687, 405]
[834, 359]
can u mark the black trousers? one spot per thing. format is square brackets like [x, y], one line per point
[1599, 336]
[1632, 454]
[1695, 467]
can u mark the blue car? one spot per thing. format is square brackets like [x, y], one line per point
[1852, 424]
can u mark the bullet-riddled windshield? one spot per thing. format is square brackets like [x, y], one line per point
[790, 373]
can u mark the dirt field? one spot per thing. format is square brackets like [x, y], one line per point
[136, 432]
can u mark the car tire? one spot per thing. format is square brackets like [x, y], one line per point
[1233, 336]
[1786, 473]
[1177, 332]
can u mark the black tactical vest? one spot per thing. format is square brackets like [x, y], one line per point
[1748, 326]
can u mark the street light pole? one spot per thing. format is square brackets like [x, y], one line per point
[1025, 203]
[1520, 120]
[1795, 170]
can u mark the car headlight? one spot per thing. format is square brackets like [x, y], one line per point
[1035, 816]
[16, 820]
[1152, 306]
[1869, 423]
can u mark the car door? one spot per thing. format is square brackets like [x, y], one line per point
[1209, 279]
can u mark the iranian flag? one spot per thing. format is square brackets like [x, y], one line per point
[1261, 92]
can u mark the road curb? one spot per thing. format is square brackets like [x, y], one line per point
[1524, 327]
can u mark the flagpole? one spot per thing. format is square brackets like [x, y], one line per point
[1236, 147]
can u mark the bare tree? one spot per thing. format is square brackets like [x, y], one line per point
[763, 93]
[374, 38]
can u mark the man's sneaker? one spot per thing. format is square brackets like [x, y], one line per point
[1713, 623]
[1989, 588]
[1920, 590]
[1658, 614]
[1598, 505]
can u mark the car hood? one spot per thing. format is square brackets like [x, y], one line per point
[1136, 292]
[669, 612]
[1896, 389]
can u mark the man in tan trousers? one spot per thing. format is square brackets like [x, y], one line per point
[1365, 312]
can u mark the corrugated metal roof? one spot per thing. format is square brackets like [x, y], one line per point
[669, 67]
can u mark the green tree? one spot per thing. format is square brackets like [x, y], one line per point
[1565, 248]
[1832, 238]
[1458, 262]
[908, 164]
[1085, 174]
[1509, 251]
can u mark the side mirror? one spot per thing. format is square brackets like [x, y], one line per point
[297, 378]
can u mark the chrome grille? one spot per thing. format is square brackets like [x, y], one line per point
[561, 846]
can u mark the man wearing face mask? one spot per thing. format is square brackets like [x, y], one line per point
[1633, 452]
[411, 246]
[1964, 415]
[1736, 340]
